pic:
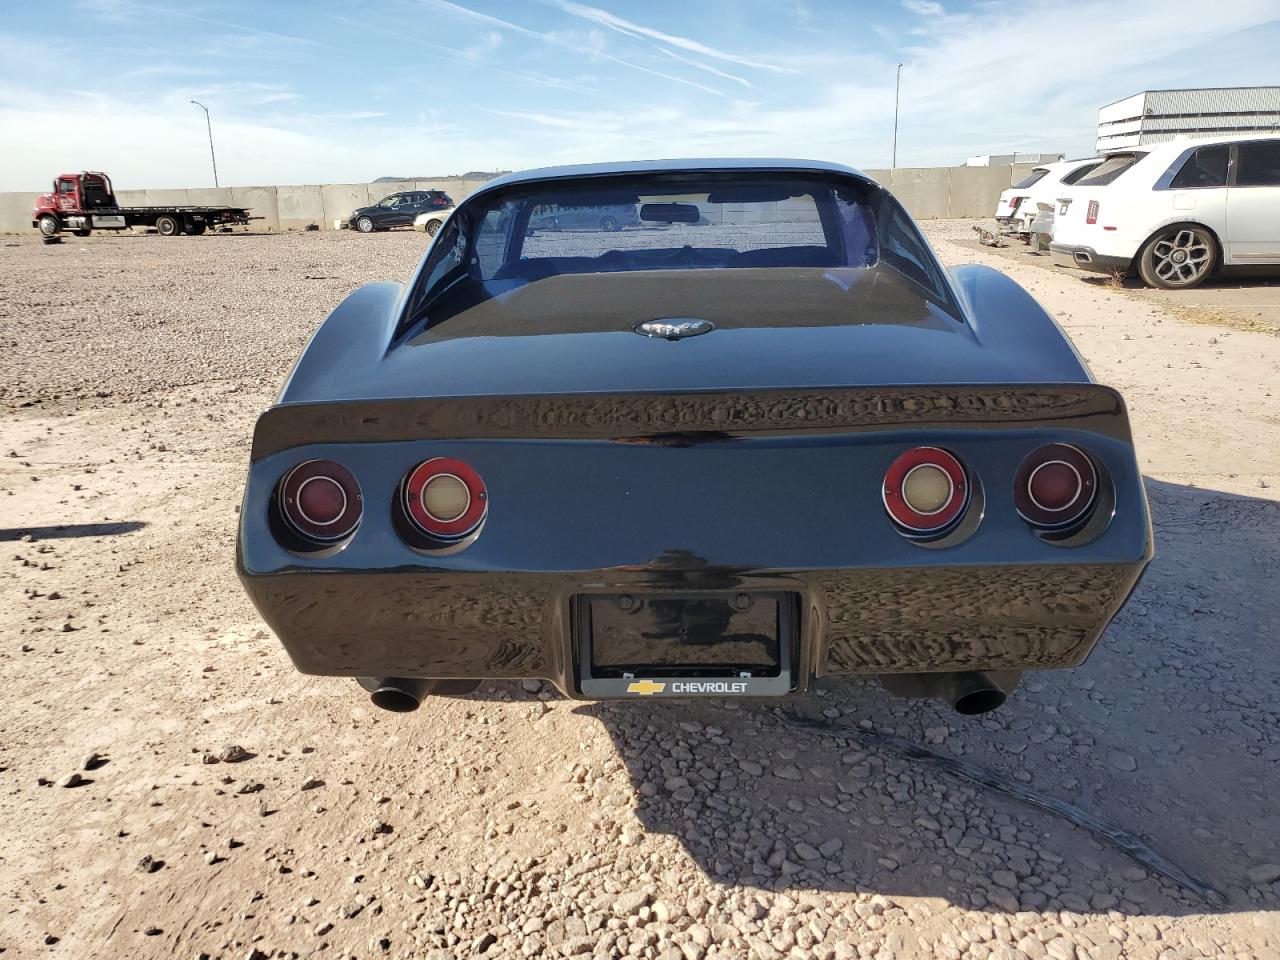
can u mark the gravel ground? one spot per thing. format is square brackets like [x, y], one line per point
[172, 788]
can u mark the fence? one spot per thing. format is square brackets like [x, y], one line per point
[927, 192]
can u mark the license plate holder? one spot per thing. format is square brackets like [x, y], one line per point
[685, 644]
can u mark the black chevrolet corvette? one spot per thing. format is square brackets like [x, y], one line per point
[759, 436]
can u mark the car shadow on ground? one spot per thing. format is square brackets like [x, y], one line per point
[1168, 732]
[64, 531]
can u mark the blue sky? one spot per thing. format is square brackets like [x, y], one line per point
[325, 91]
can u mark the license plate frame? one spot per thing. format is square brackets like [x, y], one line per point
[603, 674]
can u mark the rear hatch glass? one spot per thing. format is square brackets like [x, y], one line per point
[1035, 176]
[1110, 169]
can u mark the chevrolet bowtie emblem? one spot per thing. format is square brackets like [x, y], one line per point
[645, 687]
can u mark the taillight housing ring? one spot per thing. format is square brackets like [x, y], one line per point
[935, 518]
[1056, 486]
[320, 501]
[450, 471]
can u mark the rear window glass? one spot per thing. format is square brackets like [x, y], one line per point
[1206, 167]
[1080, 172]
[1035, 176]
[1258, 163]
[1109, 169]
[818, 230]
[658, 227]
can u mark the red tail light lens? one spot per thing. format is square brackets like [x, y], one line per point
[1015, 202]
[926, 491]
[445, 498]
[1091, 215]
[320, 500]
[1055, 486]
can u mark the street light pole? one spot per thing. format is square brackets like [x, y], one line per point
[897, 88]
[209, 127]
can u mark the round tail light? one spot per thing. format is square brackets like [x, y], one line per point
[926, 491]
[1055, 486]
[445, 498]
[320, 500]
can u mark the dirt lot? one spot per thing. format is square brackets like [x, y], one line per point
[170, 787]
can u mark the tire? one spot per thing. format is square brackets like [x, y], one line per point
[364, 225]
[1178, 257]
[167, 226]
[80, 233]
[433, 227]
[49, 225]
[608, 225]
[193, 229]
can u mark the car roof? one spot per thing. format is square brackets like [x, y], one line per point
[1182, 143]
[694, 165]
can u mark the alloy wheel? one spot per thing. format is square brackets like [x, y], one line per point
[1182, 257]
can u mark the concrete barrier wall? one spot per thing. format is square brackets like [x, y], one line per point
[926, 192]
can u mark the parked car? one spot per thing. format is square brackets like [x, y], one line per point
[398, 210]
[606, 217]
[716, 460]
[1017, 205]
[1041, 228]
[1175, 212]
[431, 221]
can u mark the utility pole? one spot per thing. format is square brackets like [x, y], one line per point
[897, 88]
[209, 127]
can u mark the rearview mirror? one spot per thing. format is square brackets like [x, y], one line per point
[670, 212]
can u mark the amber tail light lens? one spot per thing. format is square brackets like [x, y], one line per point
[1055, 486]
[926, 491]
[320, 500]
[445, 498]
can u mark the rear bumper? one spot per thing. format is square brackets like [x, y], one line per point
[1086, 258]
[657, 512]
[420, 623]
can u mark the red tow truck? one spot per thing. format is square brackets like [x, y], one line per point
[83, 202]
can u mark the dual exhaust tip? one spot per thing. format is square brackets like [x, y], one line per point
[968, 693]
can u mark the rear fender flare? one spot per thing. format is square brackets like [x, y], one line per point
[347, 346]
[1005, 318]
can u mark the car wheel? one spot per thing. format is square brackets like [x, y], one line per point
[433, 227]
[193, 229]
[364, 225]
[608, 224]
[81, 233]
[49, 225]
[1178, 258]
[167, 226]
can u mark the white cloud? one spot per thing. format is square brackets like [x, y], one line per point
[487, 44]
[559, 41]
[633, 29]
[925, 8]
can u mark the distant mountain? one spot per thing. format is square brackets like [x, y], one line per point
[469, 175]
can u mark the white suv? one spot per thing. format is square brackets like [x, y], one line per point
[1174, 212]
[1017, 206]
